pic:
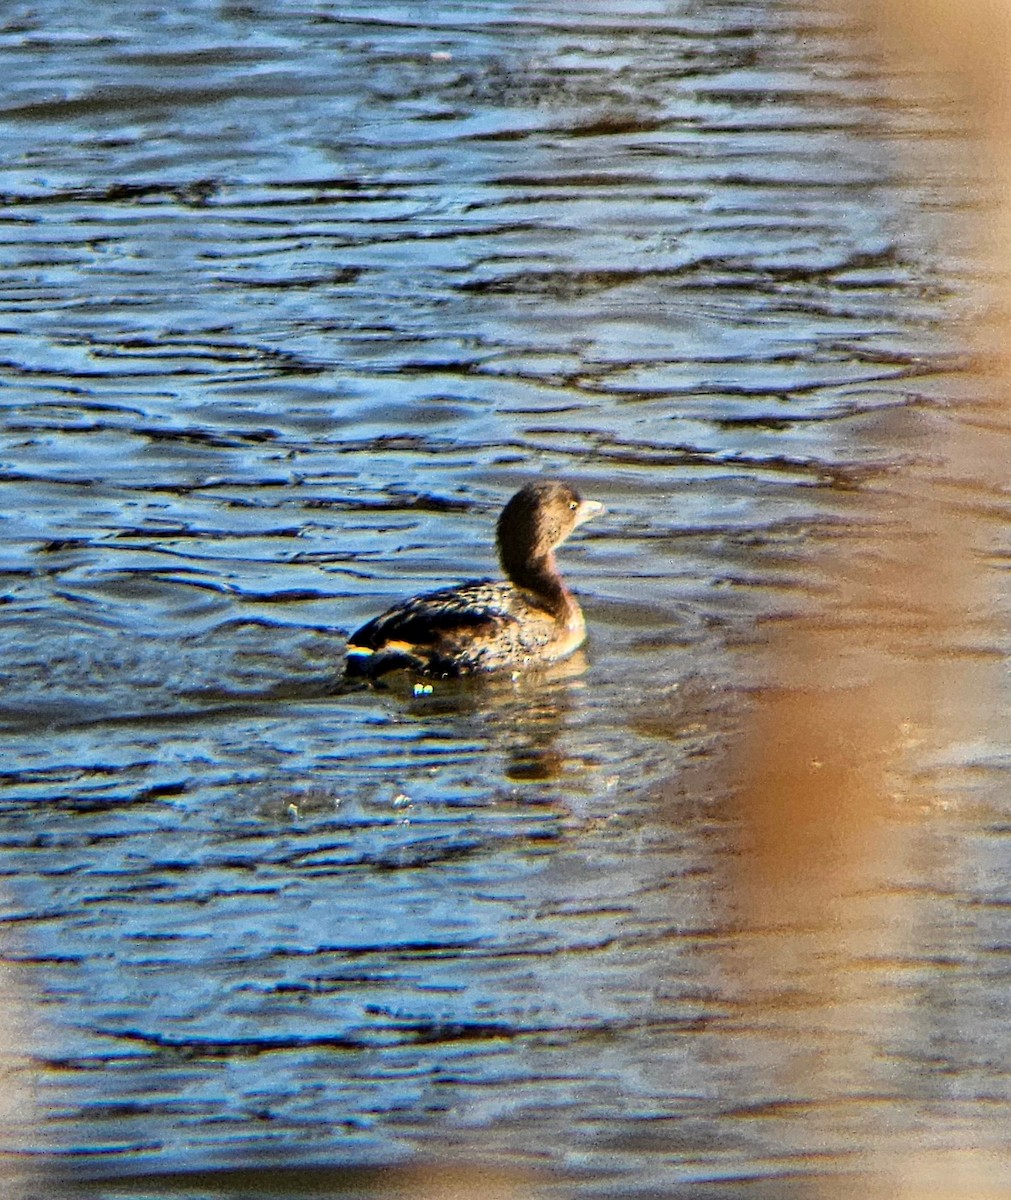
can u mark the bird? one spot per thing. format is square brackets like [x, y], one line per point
[526, 621]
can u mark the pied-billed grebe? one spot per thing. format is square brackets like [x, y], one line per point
[482, 625]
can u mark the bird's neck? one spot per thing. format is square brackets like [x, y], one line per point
[540, 576]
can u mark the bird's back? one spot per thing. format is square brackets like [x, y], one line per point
[475, 627]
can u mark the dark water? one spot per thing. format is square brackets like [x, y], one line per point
[293, 297]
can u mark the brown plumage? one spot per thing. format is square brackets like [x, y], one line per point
[531, 620]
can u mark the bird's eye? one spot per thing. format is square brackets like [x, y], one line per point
[573, 504]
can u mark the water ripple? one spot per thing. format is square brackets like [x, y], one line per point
[291, 299]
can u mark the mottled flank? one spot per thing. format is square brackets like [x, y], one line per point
[480, 626]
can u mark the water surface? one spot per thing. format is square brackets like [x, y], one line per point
[292, 298]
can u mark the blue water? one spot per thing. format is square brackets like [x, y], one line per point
[292, 298]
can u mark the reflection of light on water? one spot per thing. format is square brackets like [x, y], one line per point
[829, 807]
[652, 253]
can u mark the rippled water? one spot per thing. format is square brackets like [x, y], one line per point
[292, 298]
